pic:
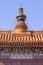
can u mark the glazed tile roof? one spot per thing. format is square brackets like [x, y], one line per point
[30, 36]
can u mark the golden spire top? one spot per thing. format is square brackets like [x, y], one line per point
[20, 9]
[21, 14]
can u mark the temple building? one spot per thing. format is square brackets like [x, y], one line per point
[21, 45]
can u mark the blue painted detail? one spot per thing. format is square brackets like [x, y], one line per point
[21, 19]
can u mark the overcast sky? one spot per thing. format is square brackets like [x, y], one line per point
[32, 8]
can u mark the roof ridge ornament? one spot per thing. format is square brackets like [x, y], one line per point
[21, 25]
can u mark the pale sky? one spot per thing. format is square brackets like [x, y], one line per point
[32, 8]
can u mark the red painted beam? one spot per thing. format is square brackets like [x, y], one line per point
[30, 60]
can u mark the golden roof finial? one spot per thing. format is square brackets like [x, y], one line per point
[21, 25]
